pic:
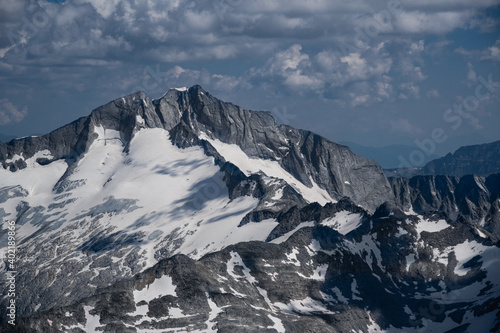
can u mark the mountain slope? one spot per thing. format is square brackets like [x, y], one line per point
[201, 186]
[393, 273]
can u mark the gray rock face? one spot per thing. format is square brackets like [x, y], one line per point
[336, 168]
[481, 160]
[303, 154]
[67, 142]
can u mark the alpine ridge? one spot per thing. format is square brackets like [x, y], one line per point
[193, 116]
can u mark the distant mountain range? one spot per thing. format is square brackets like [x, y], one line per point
[481, 160]
[6, 138]
[386, 156]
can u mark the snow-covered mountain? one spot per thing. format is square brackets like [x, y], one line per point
[186, 213]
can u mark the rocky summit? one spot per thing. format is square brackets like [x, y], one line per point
[190, 214]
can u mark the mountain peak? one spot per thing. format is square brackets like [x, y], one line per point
[318, 167]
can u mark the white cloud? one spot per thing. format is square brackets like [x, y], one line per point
[434, 23]
[68, 14]
[360, 100]
[12, 10]
[361, 68]
[471, 74]
[433, 4]
[306, 7]
[356, 79]
[180, 30]
[468, 53]
[356, 65]
[432, 93]
[290, 22]
[328, 60]
[199, 21]
[5, 50]
[489, 53]
[416, 47]
[384, 89]
[289, 59]
[493, 52]
[104, 7]
[474, 123]
[409, 90]
[226, 82]
[293, 67]
[404, 126]
[9, 114]
[298, 80]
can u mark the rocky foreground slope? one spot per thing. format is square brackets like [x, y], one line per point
[386, 272]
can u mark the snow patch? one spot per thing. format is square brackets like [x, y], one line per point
[237, 261]
[15, 158]
[278, 325]
[92, 322]
[285, 237]
[431, 226]
[292, 258]
[139, 120]
[31, 162]
[278, 194]
[355, 291]
[214, 312]
[410, 259]
[339, 295]
[160, 287]
[465, 252]
[344, 222]
[304, 306]
[401, 232]
[319, 273]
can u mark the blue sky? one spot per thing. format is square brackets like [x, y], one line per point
[371, 72]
